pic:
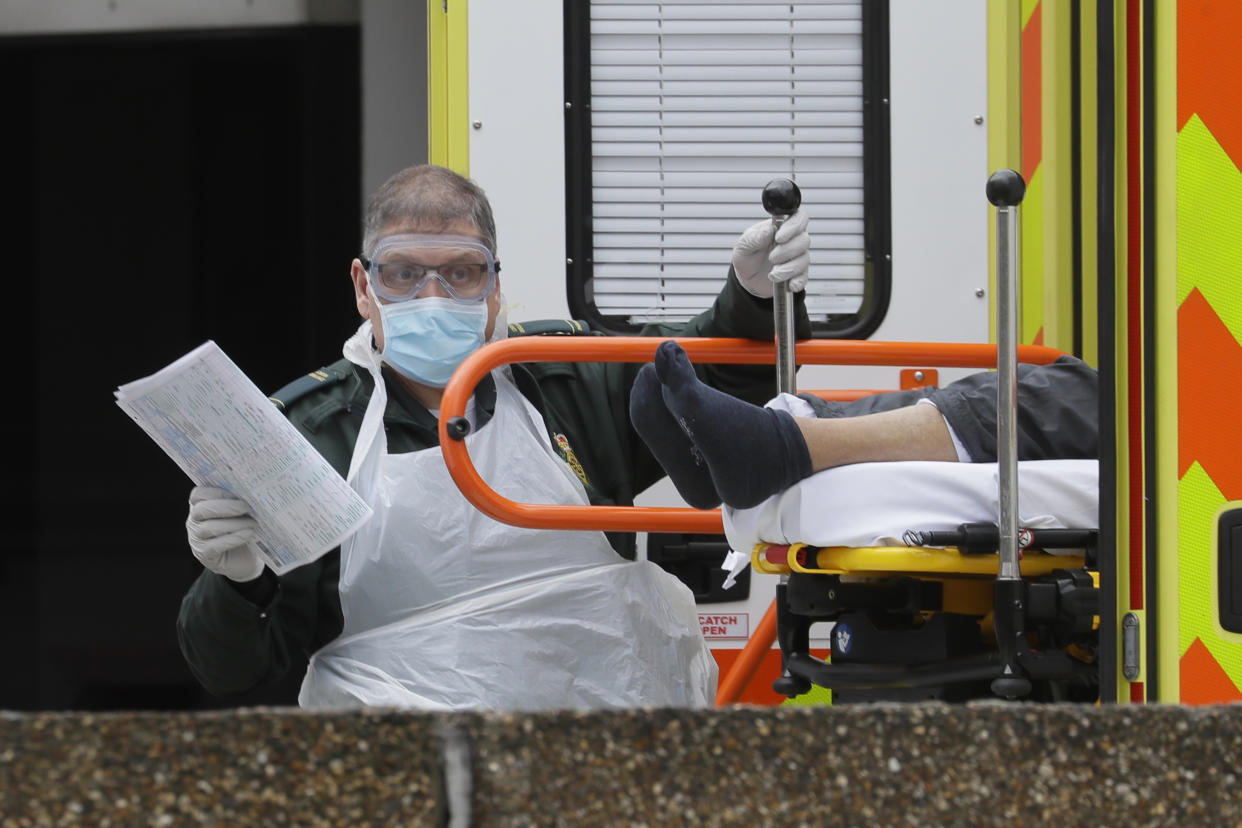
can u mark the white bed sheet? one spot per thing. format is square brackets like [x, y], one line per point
[873, 504]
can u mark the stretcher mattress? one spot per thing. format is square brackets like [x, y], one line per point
[873, 504]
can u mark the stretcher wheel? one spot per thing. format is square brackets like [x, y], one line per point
[790, 686]
[1011, 687]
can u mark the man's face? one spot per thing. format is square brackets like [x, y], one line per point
[431, 257]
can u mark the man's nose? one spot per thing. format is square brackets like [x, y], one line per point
[432, 288]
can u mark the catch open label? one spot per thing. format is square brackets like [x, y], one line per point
[730, 625]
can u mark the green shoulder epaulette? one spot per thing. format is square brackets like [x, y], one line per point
[303, 385]
[542, 327]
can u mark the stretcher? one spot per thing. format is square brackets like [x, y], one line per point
[920, 616]
[929, 595]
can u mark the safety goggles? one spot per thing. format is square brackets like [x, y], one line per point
[400, 267]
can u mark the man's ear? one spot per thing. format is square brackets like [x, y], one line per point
[362, 292]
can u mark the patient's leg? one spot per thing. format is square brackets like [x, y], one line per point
[1058, 411]
[752, 452]
[1058, 406]
[670, 445]
[755, 452]
[915, 432]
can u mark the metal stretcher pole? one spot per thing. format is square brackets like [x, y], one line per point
[781, 199]
[1005, 189]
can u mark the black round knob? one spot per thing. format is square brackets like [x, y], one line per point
[791, 686]
[781, 197]
[1006, 188]
[1011, 687]
[457, 427]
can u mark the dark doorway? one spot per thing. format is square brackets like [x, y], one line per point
[159, 190]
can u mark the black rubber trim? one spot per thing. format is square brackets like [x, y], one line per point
[1151, 471]
[1229, 570]
[579, 268]
[1106, 325]
[1076, 120]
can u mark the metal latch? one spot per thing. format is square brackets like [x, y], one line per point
[1130, 646]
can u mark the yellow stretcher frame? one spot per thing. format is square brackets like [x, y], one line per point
[965, 578]
[877, 561]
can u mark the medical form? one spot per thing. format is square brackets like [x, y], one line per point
[210, 418]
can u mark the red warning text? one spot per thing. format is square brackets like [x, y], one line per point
[731, 625]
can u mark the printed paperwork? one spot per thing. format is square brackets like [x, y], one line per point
[223, 431]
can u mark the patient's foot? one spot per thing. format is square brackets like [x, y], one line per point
[752, 452]
[670, 445]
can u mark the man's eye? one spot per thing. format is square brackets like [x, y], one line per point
[460, 273]
[404, 274]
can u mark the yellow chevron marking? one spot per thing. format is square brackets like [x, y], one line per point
[1031, 240]
[1028, 8]
[1200, 501]
[1209, 189]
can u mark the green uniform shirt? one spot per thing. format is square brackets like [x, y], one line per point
[238, 638]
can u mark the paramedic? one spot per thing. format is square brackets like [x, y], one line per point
[431, 604]
[707, 441]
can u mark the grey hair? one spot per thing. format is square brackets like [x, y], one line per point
[429, 198]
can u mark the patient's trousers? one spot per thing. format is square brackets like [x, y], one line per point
[1057, 410]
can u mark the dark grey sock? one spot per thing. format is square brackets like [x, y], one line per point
[670, 445]
[752, 452]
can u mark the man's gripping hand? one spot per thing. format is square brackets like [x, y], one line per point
[764, 255]
[222, 532]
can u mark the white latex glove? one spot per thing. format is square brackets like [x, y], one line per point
[762, 257]
[222, 531]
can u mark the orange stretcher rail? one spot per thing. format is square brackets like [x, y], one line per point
[642, 349]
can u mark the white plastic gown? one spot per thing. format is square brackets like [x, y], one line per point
[445, 608]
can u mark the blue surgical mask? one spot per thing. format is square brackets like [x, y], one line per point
[426, 339]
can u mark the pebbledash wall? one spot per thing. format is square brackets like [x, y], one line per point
[990, 763]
